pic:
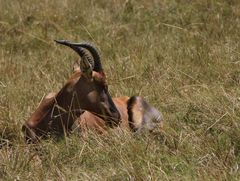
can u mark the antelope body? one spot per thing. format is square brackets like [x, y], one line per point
[84, 101]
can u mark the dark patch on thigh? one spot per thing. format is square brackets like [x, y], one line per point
[131, 102]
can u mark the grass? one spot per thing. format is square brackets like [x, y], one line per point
[182, 56]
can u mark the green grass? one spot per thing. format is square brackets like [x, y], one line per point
[182, 56]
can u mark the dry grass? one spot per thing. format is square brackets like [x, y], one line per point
[182, 56]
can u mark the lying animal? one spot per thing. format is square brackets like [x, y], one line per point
[85, 101]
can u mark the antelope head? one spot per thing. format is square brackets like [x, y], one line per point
[85, 90]
[91, 87]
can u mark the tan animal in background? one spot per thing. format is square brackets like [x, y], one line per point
[85, 102]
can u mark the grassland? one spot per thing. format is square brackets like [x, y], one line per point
[182, 56]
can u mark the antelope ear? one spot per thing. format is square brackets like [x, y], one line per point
[99, 77]
[76, 67]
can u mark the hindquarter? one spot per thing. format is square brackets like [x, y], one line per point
[142, 115]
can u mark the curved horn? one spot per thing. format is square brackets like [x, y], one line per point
[80, 51]
[87, 62]
[97, 60]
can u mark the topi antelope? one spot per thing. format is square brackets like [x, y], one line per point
[84, 101]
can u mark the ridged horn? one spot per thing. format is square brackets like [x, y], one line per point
[94, 52]
[87, 61]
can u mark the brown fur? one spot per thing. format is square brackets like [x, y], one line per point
[57, 112]
[132, 111]
[91, 121]
[139, 108]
